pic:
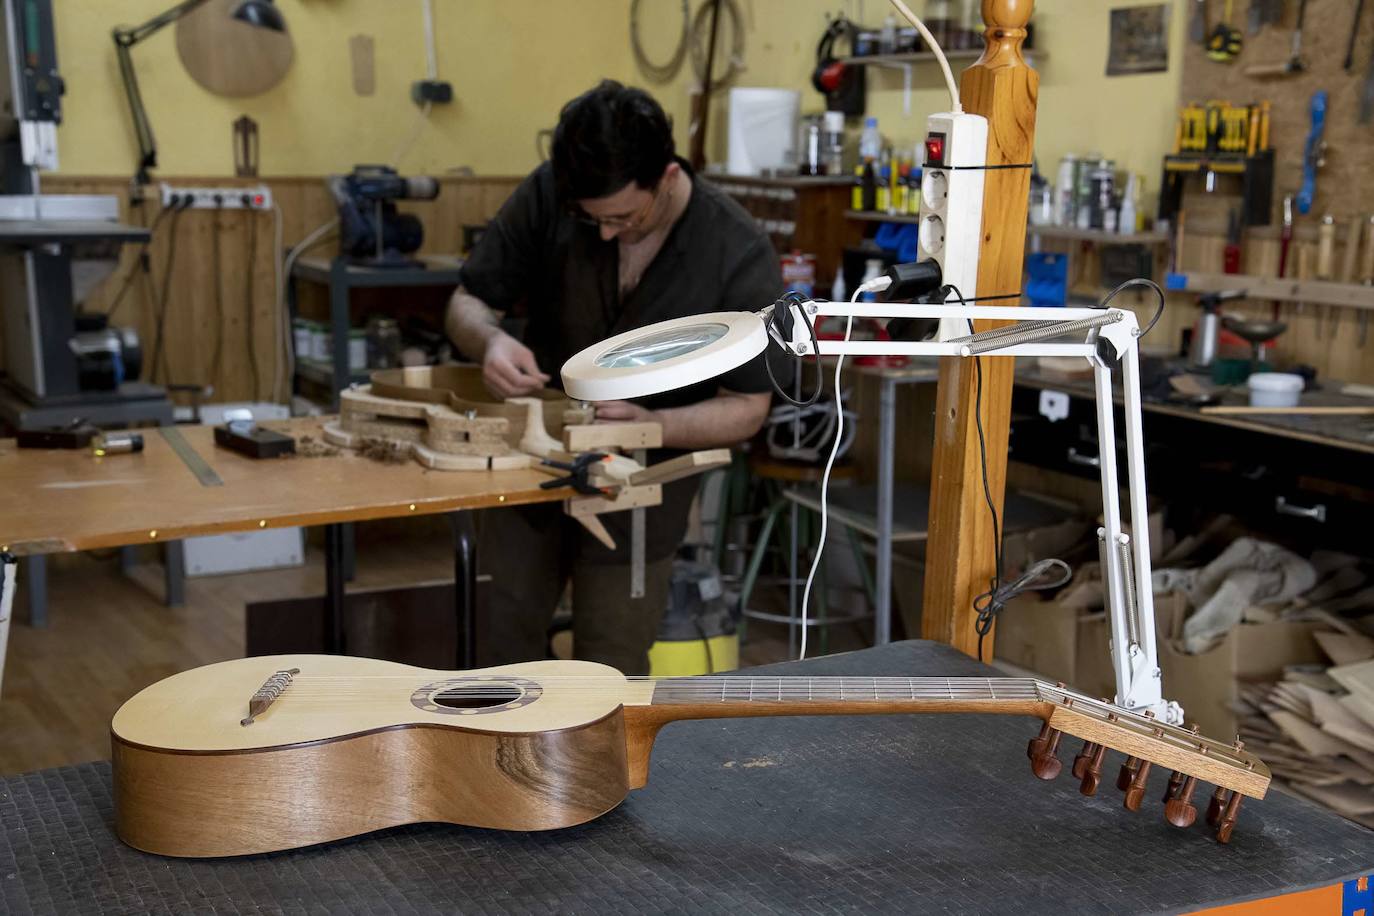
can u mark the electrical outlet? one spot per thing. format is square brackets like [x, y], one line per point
[952, 203]
[256, 197]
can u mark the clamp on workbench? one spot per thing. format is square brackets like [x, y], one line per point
[579, 474]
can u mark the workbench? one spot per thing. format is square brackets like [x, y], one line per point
[1305, 476]
[68, 500]
[893, 814]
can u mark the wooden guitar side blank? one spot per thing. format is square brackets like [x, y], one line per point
[227, 804]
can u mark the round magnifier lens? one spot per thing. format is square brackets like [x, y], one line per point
[662, 346]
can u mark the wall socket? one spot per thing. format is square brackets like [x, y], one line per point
[248, 197]
[956, 145]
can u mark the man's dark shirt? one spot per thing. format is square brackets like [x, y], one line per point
[715, 258]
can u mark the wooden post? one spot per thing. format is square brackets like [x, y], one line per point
[959, 555]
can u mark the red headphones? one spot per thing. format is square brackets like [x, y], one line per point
[830, 74]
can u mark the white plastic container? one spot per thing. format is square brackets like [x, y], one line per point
[1275, 389]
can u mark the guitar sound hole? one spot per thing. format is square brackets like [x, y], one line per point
[477, 696]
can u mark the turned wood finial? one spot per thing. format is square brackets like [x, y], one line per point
[1006, 30]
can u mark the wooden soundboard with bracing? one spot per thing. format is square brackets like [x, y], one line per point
[443, 417]
[270, 753]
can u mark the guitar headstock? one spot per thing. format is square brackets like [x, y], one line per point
[1146, 742]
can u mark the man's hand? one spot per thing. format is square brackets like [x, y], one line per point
[624, 412]
[509, 368]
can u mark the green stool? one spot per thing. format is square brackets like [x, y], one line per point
[799, 529]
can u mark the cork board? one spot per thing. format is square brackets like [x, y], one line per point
[1344, 188]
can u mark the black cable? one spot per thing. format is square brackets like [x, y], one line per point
[798, 299]
[143, 268]
[1138, 281]
[161, 305]
[706, 644]
[248, 304]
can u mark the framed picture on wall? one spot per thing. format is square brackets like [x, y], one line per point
[1139, 40]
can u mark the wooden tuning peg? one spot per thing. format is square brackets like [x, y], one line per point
[1175, 783]
[1080, 762]
[1046, 765]
[1037, 745]
[1227, 822]
[1215, 806]
[1135, 793]
[1123, 779]
[1179, 810]
[1092, 770]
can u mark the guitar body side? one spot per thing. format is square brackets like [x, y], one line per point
[254, 801]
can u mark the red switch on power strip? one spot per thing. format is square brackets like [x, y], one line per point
[935, 149]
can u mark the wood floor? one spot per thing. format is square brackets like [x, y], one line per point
[109, 635]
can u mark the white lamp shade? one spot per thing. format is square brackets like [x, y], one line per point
[664, 356]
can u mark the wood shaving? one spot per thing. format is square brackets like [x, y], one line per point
[385, 451]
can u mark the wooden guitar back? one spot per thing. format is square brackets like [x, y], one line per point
[238, 803]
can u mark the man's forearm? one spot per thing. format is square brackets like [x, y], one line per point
[726, 419]
[470, 324]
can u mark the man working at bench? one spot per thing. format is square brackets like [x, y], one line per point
[613, 234]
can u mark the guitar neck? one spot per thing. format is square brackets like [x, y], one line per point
[653, 702]
[709, 697]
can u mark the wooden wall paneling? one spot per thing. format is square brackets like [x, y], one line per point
[190, 324]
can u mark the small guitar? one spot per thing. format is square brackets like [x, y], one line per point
[277, 752]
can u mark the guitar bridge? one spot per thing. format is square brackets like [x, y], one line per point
[267, 694]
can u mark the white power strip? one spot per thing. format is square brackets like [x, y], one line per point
[256, 197]
[952, 203]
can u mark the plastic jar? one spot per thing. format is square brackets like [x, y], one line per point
[1275, 389]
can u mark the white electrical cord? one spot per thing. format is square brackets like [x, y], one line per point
[9, 566]
[935, 47]
[432, 64]
[878, 284]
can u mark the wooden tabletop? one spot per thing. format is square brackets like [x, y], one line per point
[65, 500]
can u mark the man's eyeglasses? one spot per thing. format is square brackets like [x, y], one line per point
[616, 222]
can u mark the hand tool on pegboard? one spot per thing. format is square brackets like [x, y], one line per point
[1197, 26]
[1326, 267]
[1350, 268]
[1313, 152]
[1354, 32]
[1367, 94]
[1285, 243]
[1225, 41]
[1295, 63]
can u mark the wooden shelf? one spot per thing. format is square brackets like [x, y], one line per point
[1097, 235]
[918, 57]
[1045, 232]
[1314, 292]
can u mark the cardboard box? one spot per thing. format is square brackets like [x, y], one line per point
[1042, 634]
[1208, 685]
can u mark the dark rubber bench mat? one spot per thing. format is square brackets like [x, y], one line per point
[899, 814]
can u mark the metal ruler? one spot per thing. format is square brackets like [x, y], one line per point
[190, 457]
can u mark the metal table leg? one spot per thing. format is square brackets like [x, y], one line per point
[887, 436]
[334, 590]
[36, 573]
[174, 573]
[465, 587]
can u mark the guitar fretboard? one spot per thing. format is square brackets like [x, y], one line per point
[842, 689]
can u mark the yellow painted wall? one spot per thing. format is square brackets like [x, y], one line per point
[513, 64]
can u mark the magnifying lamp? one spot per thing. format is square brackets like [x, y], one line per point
[684, 351]
[661, 357]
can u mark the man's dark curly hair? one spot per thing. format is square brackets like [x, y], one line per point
[608, 137]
